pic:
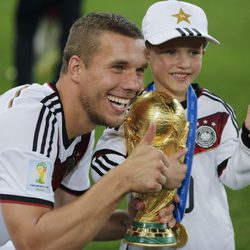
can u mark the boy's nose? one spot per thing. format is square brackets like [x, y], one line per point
[183, 61]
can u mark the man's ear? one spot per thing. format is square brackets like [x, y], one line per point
[147, 53]
[74, 67]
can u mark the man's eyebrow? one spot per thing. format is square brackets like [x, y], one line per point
[124, 62]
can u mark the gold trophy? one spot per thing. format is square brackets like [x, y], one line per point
[171, 134]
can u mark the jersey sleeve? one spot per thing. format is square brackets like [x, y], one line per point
[26, 178]
[79, 181]
[110, 151]
[25, 173]
[237, 172]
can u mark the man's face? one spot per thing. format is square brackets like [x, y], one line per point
[175, 64]
[113, 78]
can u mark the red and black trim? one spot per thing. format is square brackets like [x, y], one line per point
[7, 198]
[62, 169]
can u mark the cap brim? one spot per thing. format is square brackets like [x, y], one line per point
[165, 36]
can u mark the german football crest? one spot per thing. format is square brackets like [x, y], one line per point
[205, 136]
[209, 131]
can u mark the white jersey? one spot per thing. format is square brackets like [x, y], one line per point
[36, 156]
[219, 159]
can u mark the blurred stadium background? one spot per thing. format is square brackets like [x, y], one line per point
[225, 72]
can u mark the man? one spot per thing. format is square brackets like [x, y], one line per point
[176, 36]
[44, 160]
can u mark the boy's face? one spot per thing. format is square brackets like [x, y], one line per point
[176, 63]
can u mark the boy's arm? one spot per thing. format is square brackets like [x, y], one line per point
[109, 152]
[238, 166]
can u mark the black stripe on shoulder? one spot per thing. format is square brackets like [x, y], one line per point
[6, 198]
[51, 137]
[45, 133]
[49, 98]
[227, 107]
[38, 126]
[51, 106]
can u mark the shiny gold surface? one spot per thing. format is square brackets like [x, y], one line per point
[166, 112]
[180, 235]
[171, 133]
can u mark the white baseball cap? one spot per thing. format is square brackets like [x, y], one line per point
[170, 19]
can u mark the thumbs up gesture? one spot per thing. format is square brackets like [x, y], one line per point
[148, 169]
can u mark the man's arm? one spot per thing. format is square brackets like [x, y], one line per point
[74, 225]
[120, 220]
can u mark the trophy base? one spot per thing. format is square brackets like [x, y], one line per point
[150, 234]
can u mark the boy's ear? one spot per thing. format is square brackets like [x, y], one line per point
[204, 51]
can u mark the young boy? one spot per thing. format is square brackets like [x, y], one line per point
[176, 36]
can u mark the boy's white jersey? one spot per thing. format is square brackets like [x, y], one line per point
[217, 151]
[38, 157]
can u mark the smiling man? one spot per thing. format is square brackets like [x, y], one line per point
[52, 125]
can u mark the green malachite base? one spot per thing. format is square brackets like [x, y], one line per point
[150, 234]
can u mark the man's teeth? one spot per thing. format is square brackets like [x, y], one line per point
[117, 100]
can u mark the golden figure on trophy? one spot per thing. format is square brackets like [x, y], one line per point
[171, 134]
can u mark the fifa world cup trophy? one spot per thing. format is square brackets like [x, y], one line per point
[171, 134]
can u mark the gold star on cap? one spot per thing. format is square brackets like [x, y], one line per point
[182, 16]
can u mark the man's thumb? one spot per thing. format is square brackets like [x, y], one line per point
[149, 135]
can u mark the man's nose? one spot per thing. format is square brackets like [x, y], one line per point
[134, 81]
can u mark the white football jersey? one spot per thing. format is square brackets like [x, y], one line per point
[36, 156]
[217, 150]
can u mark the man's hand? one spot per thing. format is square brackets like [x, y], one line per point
[165, 215]
[148, 169]
[145, 169]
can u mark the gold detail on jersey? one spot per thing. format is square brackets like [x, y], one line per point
[182, 16]
[16, 95]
